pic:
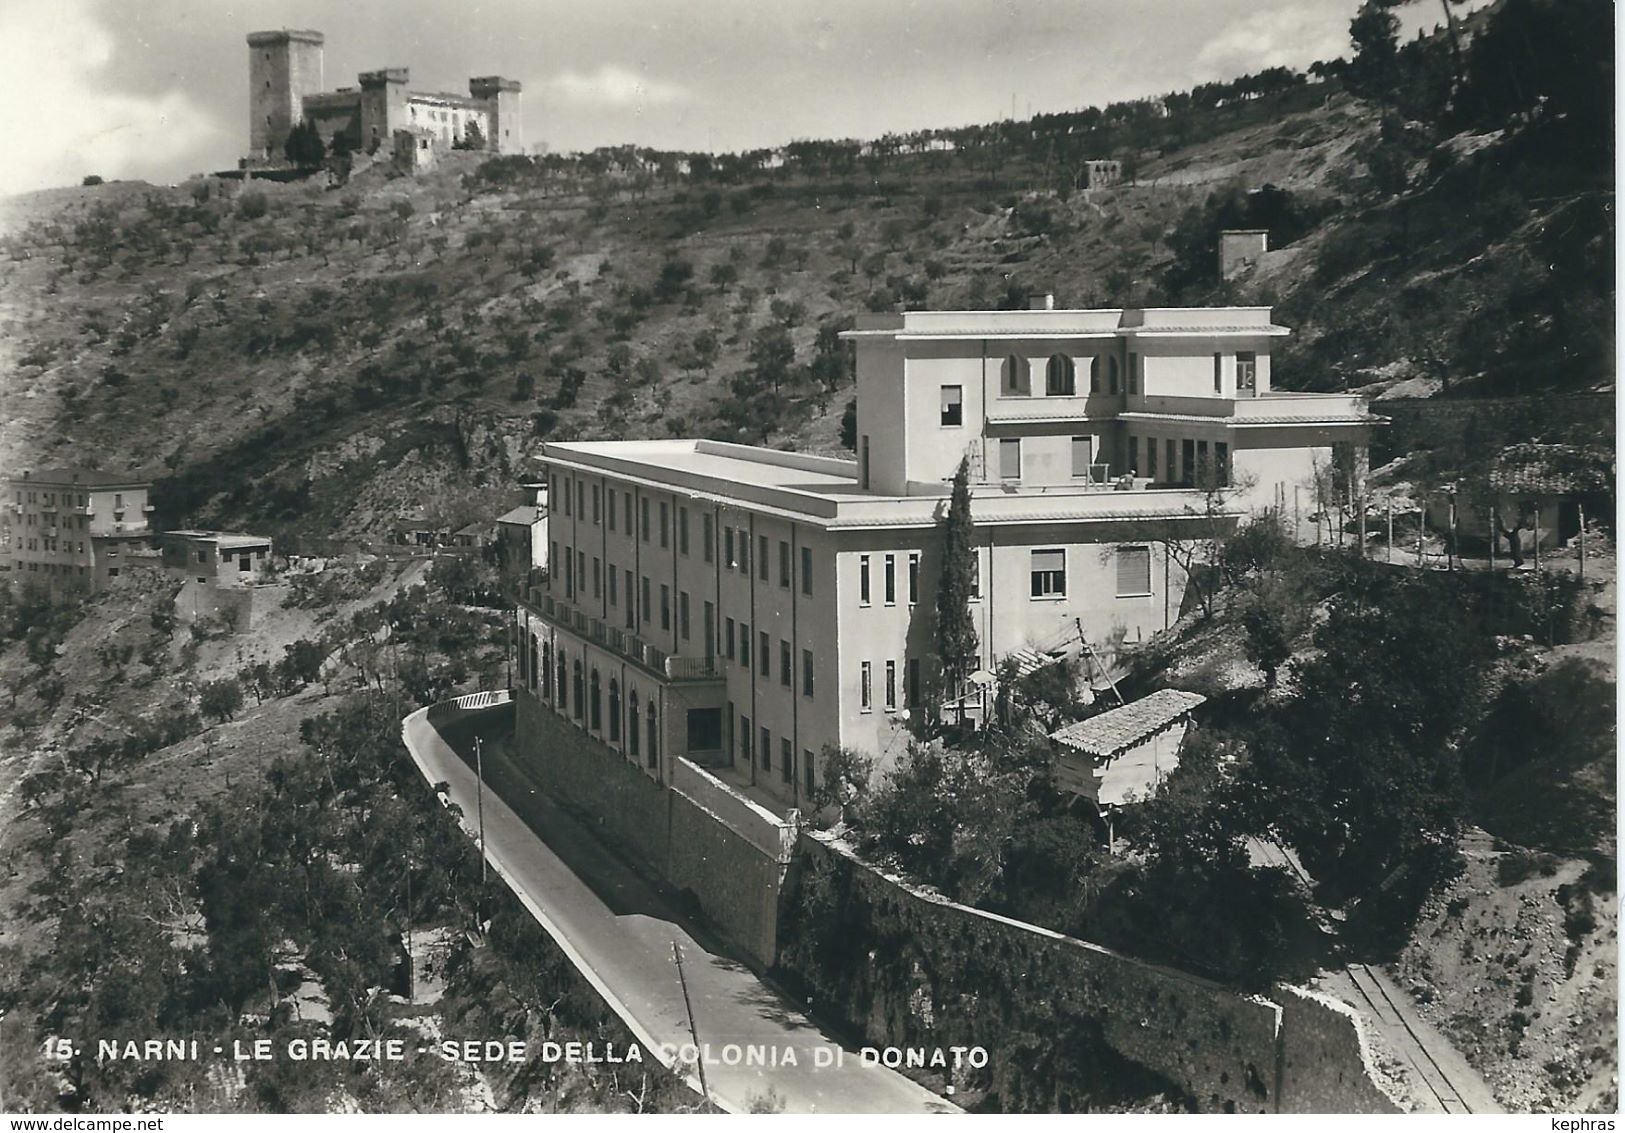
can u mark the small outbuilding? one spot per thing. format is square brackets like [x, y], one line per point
[1125, 752]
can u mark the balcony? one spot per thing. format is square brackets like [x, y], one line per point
[1012, 409]
[1266, 408]
[633, 648]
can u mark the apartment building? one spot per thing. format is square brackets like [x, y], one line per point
[74, 529]
[742, 607]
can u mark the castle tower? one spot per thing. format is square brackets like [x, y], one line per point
[383, 105]
[283, 67]
[501, 97]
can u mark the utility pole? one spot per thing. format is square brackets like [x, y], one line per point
[1493, 537]
[479, 805]
[693, 1031]
[1452, 556]
[1582, 509]
[1390, 528]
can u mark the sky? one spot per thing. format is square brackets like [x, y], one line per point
[158, 89]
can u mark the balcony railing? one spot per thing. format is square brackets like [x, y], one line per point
[630, 646]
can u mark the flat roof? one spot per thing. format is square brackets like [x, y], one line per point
[824, 490]
[79, 478]
[1106, 322]
[221, 538]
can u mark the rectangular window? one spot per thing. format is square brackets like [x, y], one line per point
[1134, 456]
[787, 761]
[1082, 456]
[1204, 469]
[764, 653]
[728, 638]
[890, 580]
[581, 498]
[807, 773]
[806, 570]
[581, 569]
[705, 537]
[596, 505]
[728, 559]
[863, 465]
[567, 498]
[863, 580]
[1246, 373]
[1218, 373]
[744, 738]
[609, 506]
[1010, 458]
[1133, 572]
[647, 609]
[785, 676]
[766, 750]
[744, 644]
[614, 583]
[891, 686]
[784, 564]
[953, 408]
[643, 519]
[1171, 472]
[1151, 457]
[806, 672]
[975, 574]
[569, 573]
[631, 606]
[682, 614]
[665, 523]
[865, 687]
[597, 578]
[1187, 462]
[913, 577]
[710, 628]
[744, 551]
[627, 512]
[682, 531]
[1221, 463]
[1049, 574]
[761, 557]
[665, 606]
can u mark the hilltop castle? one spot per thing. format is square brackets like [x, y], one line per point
[285, 86]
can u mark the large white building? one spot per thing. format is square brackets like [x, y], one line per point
[743, 607]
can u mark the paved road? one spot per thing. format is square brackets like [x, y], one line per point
[618, 930]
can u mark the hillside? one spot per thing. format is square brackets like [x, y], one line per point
[313, 359]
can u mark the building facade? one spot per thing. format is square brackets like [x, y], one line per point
[286, 85]
[74, 529]
[743, 607]
[215, 558]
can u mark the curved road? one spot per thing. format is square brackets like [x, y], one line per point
[618, 930]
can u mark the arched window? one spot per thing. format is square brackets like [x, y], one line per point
[547, 673]
[632, 723]
[1014, 380]
[595, 704]
[1060, 380]
[1097, 374]
[564, 682]
[654, 737]
[576, 689]
[614, 710]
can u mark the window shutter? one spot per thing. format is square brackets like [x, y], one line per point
[1133, 570]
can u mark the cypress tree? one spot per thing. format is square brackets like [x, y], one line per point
[956, 630]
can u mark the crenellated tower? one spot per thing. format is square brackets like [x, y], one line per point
[283, 67]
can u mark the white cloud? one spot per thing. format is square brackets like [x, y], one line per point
[1280, 37]
[613, 85]
[63, 126]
